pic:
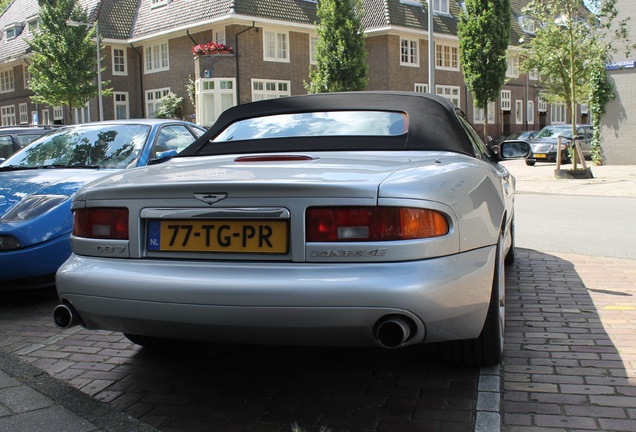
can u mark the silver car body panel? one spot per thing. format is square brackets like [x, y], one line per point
[316, 292]
[323, 304]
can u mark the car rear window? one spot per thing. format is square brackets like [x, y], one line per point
[326, 123]
[25, 139]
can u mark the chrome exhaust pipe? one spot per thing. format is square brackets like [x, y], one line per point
[393, 331]
[65, 316]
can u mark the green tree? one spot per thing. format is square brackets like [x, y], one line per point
[170, 107]
[341, 56]
[64, 62]
[570, 49]
[483, 31]
[3, 5]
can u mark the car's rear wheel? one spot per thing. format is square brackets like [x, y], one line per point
[510, 255]
[530, 162]
[487, 349]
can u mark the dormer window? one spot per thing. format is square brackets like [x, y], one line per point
[441, 7]
[12, 31]
[33, 22]
[158, 3]
[527, 24]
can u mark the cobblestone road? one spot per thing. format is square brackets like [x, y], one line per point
[570, 359]
[570, 365]
[245, 388]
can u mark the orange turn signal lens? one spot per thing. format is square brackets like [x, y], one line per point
[339, 224]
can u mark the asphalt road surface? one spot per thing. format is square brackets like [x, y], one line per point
[586, 225]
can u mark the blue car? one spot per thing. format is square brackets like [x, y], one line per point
[37, 185]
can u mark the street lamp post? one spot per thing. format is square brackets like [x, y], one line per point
[521, 41]
[72, 23]
[431, 49]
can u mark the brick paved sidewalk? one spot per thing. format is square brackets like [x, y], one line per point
[570, 360]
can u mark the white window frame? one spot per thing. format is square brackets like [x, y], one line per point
[446, 57]
[26, 75]
[118, 102]
[124, 60]
[528, 25]
[513, 65]
[270, 89]
[219, 36]
[478, 113]
[420, 88]
[558, 113]
[506, 100]
[152, 98]
[7, 114]
[46, 117]
[215, 90]
[519, 111]
[158, 3]
[530, 111]
[13, 31]
[58, 113]
[452, 93]
[542, 105]
[409, 52]
[534, 74]
[33, 22]
[23, 109]
[7, 80]
[584, 108]
[80, 115]
[441, 6]
[157, 57]
[276, 45]
[313, 40]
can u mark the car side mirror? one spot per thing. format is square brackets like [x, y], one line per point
[513, 150]
[163, 156]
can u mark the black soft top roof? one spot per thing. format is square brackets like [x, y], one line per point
[432, 120]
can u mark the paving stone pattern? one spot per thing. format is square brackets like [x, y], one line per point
[242, 388]
[570, 358]
[570, 366]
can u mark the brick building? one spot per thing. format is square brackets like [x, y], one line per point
[148, 53]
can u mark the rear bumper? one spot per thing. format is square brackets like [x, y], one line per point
[281, 303]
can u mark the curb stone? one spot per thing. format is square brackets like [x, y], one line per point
[33, 401]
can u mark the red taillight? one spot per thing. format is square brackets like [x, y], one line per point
[105, 223]
[359, 224]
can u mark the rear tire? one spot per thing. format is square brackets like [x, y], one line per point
[487, 349]
[530, 162]
[510, 256]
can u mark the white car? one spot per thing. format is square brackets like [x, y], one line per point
[348, 219]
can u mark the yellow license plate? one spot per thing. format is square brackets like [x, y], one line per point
[236, 236]
[540, 156]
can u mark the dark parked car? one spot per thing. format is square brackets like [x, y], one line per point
[523, 135]
[545, 143]
[352, 219]
[516, 136]
[13, 138]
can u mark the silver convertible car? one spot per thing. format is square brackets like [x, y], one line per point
[343, 219]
